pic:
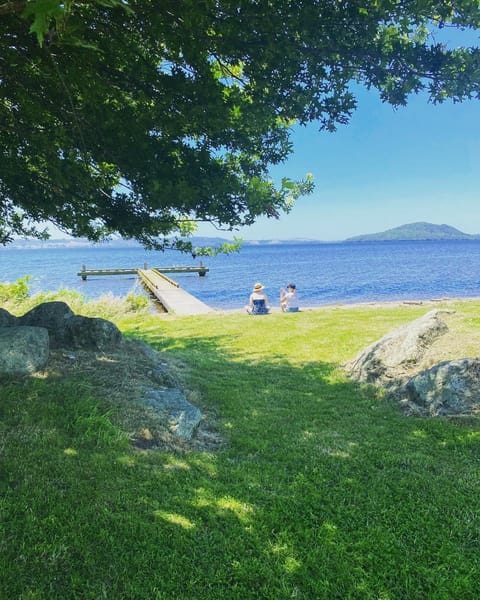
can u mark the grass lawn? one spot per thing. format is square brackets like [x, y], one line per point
[320, 490]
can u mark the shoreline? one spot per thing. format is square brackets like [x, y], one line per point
[354, 305]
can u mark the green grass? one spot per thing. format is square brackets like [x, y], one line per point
[322, 489]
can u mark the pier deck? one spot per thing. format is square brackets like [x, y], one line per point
[164, 289]
[170, 294]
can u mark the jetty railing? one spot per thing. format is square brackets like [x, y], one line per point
[84, 273]
[169, 294]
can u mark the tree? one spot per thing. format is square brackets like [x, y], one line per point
[144, 117]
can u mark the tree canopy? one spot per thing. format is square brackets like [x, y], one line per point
[143, 117]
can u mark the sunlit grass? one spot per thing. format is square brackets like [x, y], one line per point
[322, 489]
[175, 519]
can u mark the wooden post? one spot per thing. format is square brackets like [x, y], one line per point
[145, 266]
[84, 277]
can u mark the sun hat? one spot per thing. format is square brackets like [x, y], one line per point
[258, 287]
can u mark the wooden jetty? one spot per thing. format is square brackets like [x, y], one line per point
[170, 295]
[168, 292]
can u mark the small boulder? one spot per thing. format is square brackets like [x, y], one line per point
[51, 315]
[23, 350]
[182, 418]
[398, 353]
[91, 333]
[448, 388]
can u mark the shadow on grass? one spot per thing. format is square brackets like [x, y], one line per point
[322, 491]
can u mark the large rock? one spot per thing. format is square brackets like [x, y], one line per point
[23, 350]
[7, 319]
[51, 315]
[181, 417]
[91, 333]
[67, 330]
[398, 353]
[449, 388]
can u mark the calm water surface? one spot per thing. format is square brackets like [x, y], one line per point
[324, 273]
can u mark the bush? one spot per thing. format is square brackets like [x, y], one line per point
[137, 303]
[15, 292]
[16, 297]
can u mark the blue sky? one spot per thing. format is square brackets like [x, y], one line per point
[387, 167]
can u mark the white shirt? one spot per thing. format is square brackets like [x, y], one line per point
[291, 300]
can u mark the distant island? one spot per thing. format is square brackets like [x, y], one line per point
[415, 231]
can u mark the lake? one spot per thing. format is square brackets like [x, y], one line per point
[324, 273]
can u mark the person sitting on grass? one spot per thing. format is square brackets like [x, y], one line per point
[289, 298]
[258, 303]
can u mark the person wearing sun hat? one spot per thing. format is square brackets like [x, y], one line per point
[258, 302]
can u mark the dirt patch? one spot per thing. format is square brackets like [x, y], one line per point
[119, 378]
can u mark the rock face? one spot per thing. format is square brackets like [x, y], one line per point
[23, 350]
[449, 388]
[396, 354]
[393, 362]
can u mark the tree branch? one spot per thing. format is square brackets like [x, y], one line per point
[9, 8]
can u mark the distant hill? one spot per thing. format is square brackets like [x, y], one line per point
[69, 242]
[416, 231]
[197, 241]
